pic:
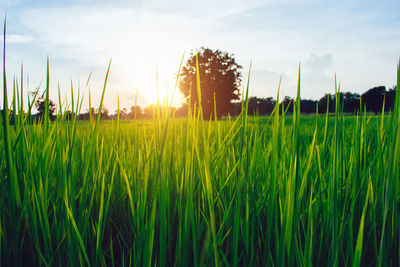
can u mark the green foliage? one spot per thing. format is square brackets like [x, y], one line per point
[220, 79]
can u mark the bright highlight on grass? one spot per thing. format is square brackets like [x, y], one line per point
[251, 191]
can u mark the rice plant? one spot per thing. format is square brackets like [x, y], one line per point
[281, 190]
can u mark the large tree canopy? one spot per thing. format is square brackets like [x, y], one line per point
[219, 75]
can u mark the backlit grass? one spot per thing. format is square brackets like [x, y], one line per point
[250, 191]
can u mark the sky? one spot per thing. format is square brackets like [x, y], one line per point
[358, 41]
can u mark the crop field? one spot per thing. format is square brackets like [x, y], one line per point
[252, 191]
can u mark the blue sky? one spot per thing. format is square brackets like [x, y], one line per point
[357, 40]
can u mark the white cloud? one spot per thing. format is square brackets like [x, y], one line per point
[17, 38]
[317, 78]
[359, 41]
[265, 82]
[139, 40]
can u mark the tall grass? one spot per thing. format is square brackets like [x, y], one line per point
[283, 190]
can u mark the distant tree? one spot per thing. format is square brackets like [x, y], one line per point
[40, 105]
[105, 114]
[86, 115]
[68, 115]
[148, 111]
[323, 103]
[219, 75]
[390, 98]
[286, 104]
[135, 111]
[123, 113]
[308, 106]
[260, 106]
[373, 99]
[158, 110]
[350, 102]
[236, 109]
[92, 111]
[182, 111]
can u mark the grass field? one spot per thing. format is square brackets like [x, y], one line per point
[279, 190]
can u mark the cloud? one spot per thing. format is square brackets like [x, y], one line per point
[142, 36]
[265, 83]
[318, 64]
[140, 39]
[316, 79]
[17, 38]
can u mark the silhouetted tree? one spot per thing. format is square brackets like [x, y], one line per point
[260, 106]
[308, 106]
[68, 115]
[123, 113]
[136, 111]
[286, 104]
[350, 102]
[40, 105]
[373, 99]
[86, 115]
[323, 103]
[236, 109]
[105, 114]
[390, 98]
[219, 75]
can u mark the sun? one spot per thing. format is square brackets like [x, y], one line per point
[163, 95]
[153, 77]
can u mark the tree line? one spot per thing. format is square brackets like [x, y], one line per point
[371, 101]
[210, 81]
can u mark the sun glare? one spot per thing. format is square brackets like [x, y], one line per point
[163, 95]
